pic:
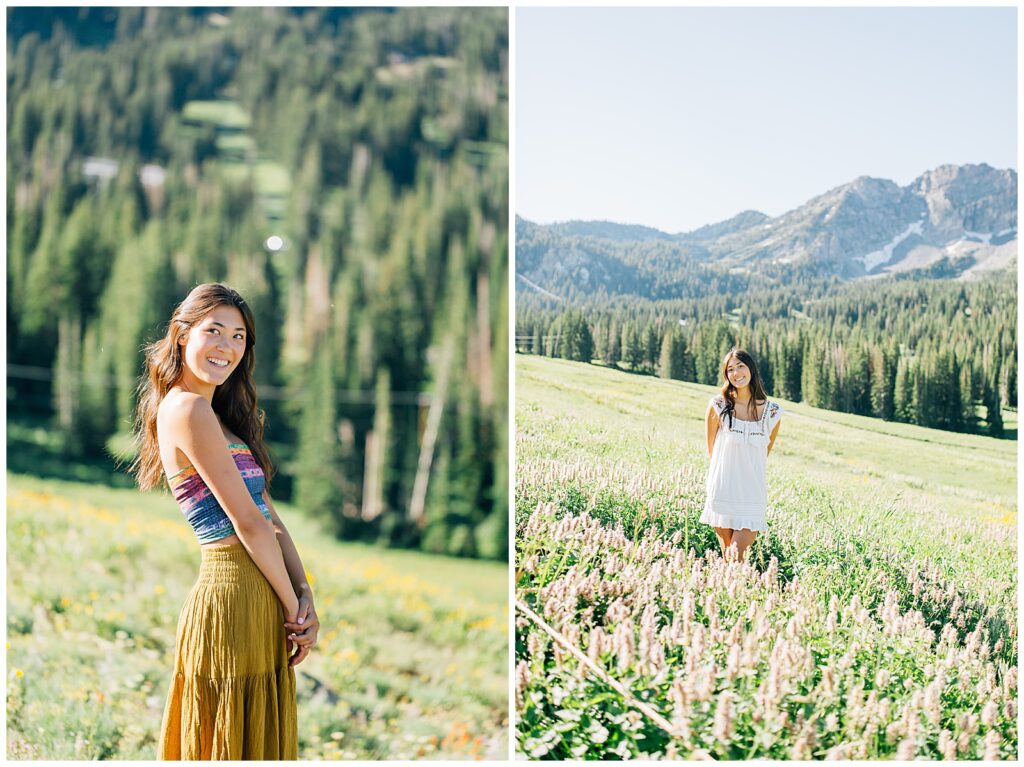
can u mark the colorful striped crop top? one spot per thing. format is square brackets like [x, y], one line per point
[201, 507]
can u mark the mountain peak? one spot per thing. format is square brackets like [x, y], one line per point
[743, 220]
[964, 216]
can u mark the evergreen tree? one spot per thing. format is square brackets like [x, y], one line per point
[665, 368]
[633, 349]
[674, 362]
[830, 380]
[577, 343]
[464, 502]
[688, 369]
[809, 375]
[881, 403]
[993, 414]
[318, 486]
[652, 348]
[858, 380]
[600, 340]
[968, 418]
[613, 353]
[1011, 381]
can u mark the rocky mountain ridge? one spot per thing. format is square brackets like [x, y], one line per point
[957, 221]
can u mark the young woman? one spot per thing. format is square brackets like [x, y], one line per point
[233, 691]
[741, 428]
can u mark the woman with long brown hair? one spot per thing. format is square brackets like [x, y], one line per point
[742, 424]
[233, 691]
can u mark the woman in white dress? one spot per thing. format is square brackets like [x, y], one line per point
[742, 424]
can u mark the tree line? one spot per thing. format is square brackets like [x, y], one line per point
[931, 352]
[151, 149]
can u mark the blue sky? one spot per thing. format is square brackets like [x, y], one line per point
[680, 117]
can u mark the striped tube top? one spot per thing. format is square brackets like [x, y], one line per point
[200, 505]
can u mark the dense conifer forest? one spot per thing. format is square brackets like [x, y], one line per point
[912, 348]
[346, 170]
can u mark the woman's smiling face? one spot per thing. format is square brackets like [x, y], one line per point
[215, 345]
[738, 373]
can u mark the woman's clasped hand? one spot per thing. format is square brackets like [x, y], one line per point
[302, 632]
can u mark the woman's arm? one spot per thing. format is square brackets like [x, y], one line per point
[196, 430]
[711, 422]
[772, 440]
[296, 571]
[304, 628]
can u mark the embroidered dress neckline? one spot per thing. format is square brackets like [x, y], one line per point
[744, 420]
[190, 466]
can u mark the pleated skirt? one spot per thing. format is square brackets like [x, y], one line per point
[232, 695]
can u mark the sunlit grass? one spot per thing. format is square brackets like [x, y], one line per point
[411, 660]
[225, 113]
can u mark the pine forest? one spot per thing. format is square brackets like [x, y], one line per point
[346, 170]
[917, 349]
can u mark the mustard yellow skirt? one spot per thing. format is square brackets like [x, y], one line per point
[233, 692]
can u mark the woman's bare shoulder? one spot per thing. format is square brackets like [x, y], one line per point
[180, 413]
[715, 405]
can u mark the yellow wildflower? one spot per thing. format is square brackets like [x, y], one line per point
[484, 623]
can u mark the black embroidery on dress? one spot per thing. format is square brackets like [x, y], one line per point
[761, 423]
[718, 402]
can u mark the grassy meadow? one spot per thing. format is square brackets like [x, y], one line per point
[411, 661]
[875, 619]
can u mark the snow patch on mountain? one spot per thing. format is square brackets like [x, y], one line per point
[883, 256]
[986, 237]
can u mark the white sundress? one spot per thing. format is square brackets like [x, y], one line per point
[737, 493]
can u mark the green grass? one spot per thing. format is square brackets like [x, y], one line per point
[272, 179]
[411, 660]
[223, 113]
[235, 145]
[910, 524]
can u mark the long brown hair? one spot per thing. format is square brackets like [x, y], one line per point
[757, 392]
[234, 401]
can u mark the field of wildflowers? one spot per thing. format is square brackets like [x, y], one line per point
[876, 618]
[411, 661]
